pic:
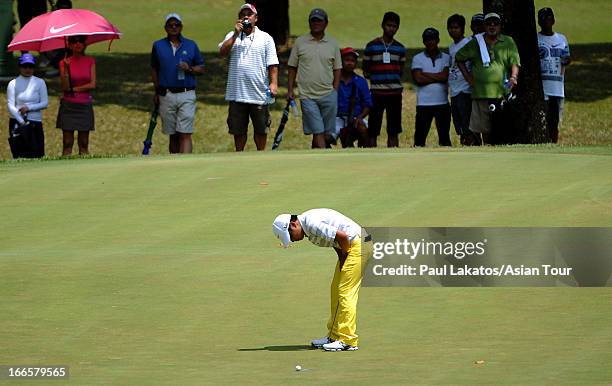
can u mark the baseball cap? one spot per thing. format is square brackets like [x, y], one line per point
[27, 59]
[173, 16]
[478, 18]
[544, 12]
[318, 13]
[248, 6]
[280, 228]
[349, 50]
[430, 33]
[492, 15]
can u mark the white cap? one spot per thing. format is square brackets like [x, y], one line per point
[280, 228]
[173, 16]
[492, 15]
[249, 6]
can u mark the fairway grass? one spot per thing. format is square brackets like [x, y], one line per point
[164, 270]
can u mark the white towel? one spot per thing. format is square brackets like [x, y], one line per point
[484, 52]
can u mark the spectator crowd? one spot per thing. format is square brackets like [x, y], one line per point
[338, 106]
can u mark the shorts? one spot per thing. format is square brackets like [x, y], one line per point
[319, 115]
[480, 118]
[393, 105]
[341, 124]
[238, 118]
[177, 112]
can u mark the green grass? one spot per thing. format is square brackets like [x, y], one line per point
[123, 97]
[163, 270]
[208, 21]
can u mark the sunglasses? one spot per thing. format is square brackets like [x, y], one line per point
[79, 40]
[27, 65]
[174, 25]
[492, 22]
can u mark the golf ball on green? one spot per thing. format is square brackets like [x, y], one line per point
[298, 368]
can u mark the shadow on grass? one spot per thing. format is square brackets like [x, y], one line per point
[125, 79]
[588, 77]
[280, 348]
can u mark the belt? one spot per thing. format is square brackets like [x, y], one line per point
[176, 90]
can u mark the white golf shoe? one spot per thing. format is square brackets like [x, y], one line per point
[318, 343]
[339, 346]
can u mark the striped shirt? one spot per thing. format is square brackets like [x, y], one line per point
[321, 225]
[385, 78]
[247, 78]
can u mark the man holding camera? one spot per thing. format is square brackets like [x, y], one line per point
[252, 79]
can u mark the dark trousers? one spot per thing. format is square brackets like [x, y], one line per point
[29, 9]
[424, 116]
[26, 141]
[554, 106]
[461, 109]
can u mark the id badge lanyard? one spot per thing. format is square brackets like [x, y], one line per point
[386, 54]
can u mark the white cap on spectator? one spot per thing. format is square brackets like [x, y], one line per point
[173, 16]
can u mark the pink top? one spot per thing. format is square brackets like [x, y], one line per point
[80, 74]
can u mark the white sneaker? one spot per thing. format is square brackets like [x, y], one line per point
[318, 343]
[339, 346]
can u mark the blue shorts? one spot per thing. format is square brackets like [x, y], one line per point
[319, 115]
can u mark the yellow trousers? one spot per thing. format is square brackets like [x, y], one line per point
[342, 324]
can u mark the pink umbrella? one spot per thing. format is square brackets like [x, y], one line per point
[50, 31]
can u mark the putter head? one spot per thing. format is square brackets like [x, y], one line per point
[147, 147]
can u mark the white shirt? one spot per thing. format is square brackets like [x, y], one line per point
[433, 94]
[456, 82]
[250, 57]
[30, 92]
[321, 225]
[553, 49]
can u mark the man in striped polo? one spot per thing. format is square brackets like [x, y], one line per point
[252, 79]
[383, 65]
[329, 228]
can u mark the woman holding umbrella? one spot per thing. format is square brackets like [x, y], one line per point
[78, 78]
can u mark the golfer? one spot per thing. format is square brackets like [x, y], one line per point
[328, 228]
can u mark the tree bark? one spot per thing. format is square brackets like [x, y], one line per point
[273, 17]
[528, 123]
[7, 21]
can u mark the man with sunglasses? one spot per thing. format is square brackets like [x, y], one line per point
[490, 80]
[175, 61]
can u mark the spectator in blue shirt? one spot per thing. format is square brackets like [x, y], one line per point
[353, 98]
[175, 61]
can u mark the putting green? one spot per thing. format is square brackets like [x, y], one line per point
[164, 270]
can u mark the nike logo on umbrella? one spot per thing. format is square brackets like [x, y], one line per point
[54, 30]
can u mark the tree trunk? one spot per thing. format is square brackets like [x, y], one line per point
[273, 17]
[7, 22]
[528, 123]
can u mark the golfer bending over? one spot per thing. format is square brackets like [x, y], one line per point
[328, 228]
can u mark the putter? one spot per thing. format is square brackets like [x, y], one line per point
[278, 137]
[152, 123]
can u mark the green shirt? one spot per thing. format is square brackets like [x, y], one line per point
[489, 81]
[316, 61]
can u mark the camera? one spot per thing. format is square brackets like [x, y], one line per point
[246, 24]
